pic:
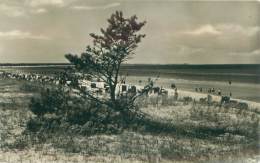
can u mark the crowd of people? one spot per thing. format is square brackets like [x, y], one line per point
[33, 77]
[60, 78]
[209, 90]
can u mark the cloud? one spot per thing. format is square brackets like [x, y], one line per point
[253, 53]
[238, 29]
[203, 30]
[17, 34]
[224, 30]
[186, 50]
[12, 11]
[256, 52]
[39, 11]
[37, 3]
[112, 5]
[225, 37]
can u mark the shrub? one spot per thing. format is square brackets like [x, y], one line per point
[50, 101]
[58, 106]
[34, 124]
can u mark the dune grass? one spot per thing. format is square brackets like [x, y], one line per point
[177, 131]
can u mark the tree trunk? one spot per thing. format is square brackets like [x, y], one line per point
[113, 95]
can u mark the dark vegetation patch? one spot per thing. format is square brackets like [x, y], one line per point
[58, 109]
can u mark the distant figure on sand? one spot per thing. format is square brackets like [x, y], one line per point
[176, 94]
[200, 89]
[219, 92]
[209, 99]
[211, 90]
[173, 86]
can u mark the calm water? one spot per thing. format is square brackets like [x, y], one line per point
[244, 73]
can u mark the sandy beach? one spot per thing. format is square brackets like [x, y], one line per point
[245, 91]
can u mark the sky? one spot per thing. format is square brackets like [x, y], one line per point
[177, 32]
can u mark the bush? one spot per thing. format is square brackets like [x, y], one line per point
[50, 101]
[34, 124]
[58, 106]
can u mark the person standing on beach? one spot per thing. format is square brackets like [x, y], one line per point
[229, 82]
[213, 90]
[173, 86]
[219, 92]
[176, 94]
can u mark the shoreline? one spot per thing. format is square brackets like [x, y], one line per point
[215, 98]
[243, 91]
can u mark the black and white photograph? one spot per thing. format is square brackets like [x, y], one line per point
[129, 81]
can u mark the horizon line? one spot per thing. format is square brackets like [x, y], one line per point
[63, 63]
